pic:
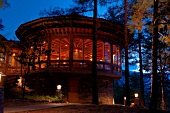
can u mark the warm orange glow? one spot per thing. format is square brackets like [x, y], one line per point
[76, 50]
[13, 54]
[20, 81]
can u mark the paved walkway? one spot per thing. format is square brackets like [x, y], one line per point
[35, 107]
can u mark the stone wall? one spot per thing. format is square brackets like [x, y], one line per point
[105, 90]
[1, 99]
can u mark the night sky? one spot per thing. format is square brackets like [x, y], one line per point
[21, 11]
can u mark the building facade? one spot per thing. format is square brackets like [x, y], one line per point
[59, 52]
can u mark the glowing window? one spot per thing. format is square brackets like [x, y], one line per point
[87, 49]
[100, 51]
[78, 49]
[107, 52]
[55, 49]
[64, 49]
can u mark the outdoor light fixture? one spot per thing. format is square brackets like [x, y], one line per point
[136, 95]
[113, 101]
[59, 87]
[124, 98]
[124, 101]
[0, 77]
[20, 81]
[1, 74]
[136, 99]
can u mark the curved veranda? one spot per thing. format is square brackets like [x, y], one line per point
[69, 40]
[63, 49]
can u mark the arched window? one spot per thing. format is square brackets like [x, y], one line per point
[100, 51]
[87, 49]
[114, 54]
[64, 49]
[44, 51]
[78, 49]
[55, 47]
[107, 52]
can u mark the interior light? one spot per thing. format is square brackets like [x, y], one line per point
[13, 54]
[91, 59]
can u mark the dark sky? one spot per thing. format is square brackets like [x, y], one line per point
[21, 11]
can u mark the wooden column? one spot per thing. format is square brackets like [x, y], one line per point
[120, 60]
[49, 51]
[111, 52]
[117, 53]
[71, 53]
[104, 55]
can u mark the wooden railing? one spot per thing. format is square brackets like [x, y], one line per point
[81, 65]
[64, 65]
[11, 70]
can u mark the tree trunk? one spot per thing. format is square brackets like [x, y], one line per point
[161, 77]
[154, 90]
[94, 69]
[141, 73]
[126, 56]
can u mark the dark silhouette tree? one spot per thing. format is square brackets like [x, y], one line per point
[154, 92]
[127, 87]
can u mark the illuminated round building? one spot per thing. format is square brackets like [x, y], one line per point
[64, 46]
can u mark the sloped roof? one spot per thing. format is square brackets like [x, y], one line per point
[2, 38]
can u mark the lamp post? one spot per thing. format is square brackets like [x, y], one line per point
[59, 92]
[136, 100]
[125, 101]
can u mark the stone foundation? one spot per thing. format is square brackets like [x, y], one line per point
[105, 90]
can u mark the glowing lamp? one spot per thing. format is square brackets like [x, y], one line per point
[59, 87]
[136, 95]
[124, 98]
